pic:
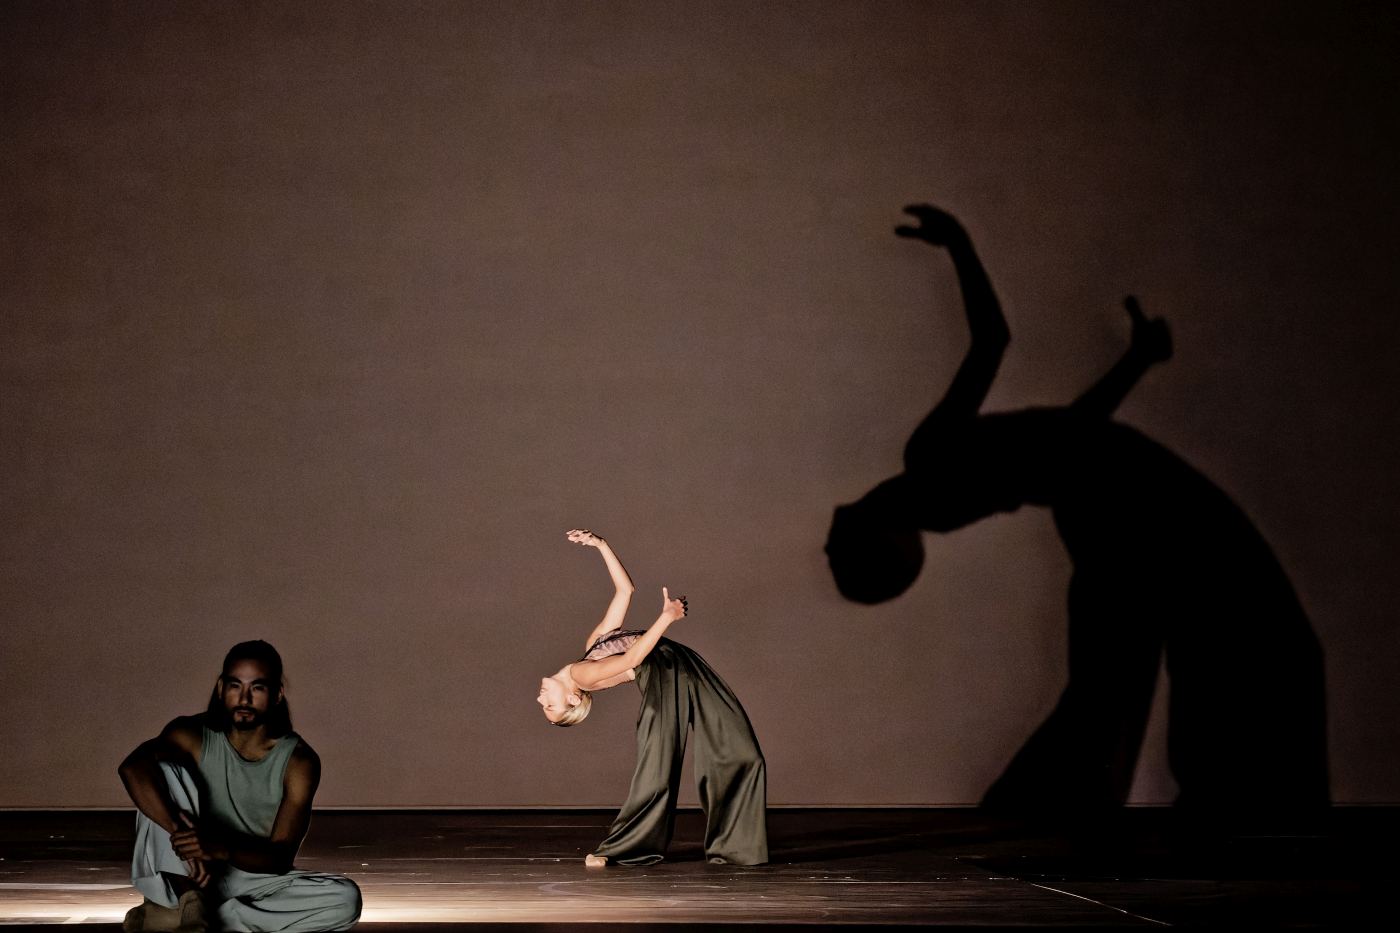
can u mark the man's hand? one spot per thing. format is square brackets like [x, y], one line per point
[1152, 340]
[672, 609]
[935, 226]
[584, 536]
[196, 845]
[197, 872]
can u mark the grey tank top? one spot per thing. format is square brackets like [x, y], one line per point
[243, 795]
[611, 643]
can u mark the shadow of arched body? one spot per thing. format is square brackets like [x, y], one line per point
[1163, 561]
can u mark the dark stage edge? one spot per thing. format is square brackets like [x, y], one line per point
[522, 871]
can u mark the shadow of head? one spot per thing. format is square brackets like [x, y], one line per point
[875, 548]
[875, 554]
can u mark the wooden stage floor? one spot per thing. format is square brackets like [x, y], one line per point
[523, 871]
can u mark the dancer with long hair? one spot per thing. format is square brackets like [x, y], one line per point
[680, 692]
[223, 801]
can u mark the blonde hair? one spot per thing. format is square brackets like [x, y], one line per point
[576, 714]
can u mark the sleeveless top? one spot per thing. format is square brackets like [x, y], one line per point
[241, 794]
[611, 643]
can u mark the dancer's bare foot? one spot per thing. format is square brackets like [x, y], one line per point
[595, 861]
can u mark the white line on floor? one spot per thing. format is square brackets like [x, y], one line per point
[1046, 887]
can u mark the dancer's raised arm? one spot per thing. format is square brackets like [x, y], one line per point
[990, 335]
[622, 584]
[1151, 343]
[591, 675]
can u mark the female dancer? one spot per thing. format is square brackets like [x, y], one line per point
[679, 691]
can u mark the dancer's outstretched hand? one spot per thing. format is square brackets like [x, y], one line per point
[584, 536]
[935, 226]
[1152, 339]
[673, 609]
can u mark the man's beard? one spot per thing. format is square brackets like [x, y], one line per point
[253, 720]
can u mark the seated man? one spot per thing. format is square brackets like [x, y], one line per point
[224, 801]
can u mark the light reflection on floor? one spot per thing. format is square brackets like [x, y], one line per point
[886, 867]
[65, 902]
[421, 902]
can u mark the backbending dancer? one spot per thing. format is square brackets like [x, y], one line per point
[679, 691]
[1163, 560]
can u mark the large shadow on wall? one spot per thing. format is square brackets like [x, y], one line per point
[1163, 561]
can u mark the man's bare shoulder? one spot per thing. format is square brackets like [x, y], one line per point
[186, 732]
[303, 767]
[304, 751]
[304, 757]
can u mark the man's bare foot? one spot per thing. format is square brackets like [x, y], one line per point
[595, 861]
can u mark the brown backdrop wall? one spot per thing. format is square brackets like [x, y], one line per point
[322, 322]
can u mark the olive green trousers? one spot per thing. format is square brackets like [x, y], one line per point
[679, 693]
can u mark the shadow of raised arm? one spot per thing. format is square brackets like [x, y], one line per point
[1151, 343]
[990, 334]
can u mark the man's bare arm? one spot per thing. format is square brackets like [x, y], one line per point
[180, 742]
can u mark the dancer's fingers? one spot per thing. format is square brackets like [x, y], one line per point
[1134, 310]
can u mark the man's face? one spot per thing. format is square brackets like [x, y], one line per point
[248, 692]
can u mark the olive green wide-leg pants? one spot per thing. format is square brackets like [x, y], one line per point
[681, 692]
